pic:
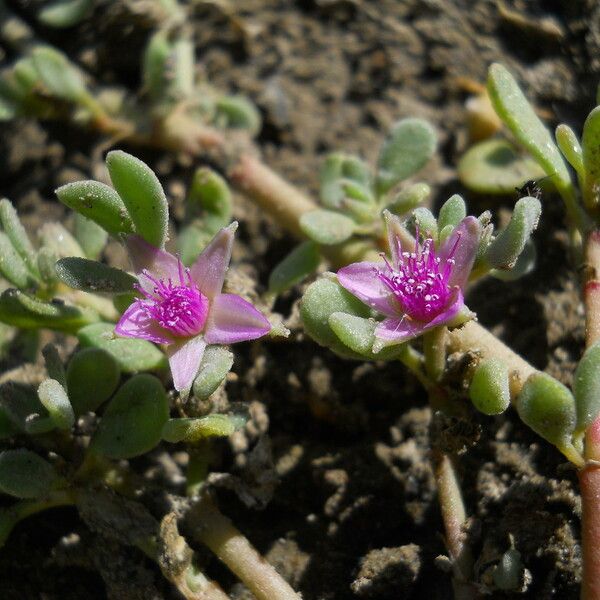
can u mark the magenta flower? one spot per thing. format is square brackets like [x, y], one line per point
[183, 308]
[417, 290]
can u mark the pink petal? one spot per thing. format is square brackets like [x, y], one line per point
[136, 323]
[208, 272]
[462, 246]
[144, 256]
[233, 319]
[397, 330]
[184, 359]
[361, 280]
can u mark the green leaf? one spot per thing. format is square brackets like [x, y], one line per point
[209, 198]
[131, 354]
[586, 387]
[24, 474]
[194, 430]
[591, 158]
[216, 363]
[323, 298]
[155, 66]
[508, 573]
[338, 169]
[142, 194]
[92, 377]
[56, 238]
[92, 276]
[134, 419]
[65, 13]
[409, 145]
[192, 239]
[496, 167]
[97, 202]
[452, 212]
[571, 149]
[20, 310]
[17, 235]
[7, 427]
[327, 227]
[504, 251]
[12, 266]
[90, 236]
[54, 364]
[524, 265]
[548, 407]
[303, 260]
[54, 397]
[489, 390]
[22, 406]
[514, 109]
[46, 264]
[427, 223]
[58, 74]
[409, 198]
[358, 334]
[237, 112]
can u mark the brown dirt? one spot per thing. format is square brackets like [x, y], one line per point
[354, 514]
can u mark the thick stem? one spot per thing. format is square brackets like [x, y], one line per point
[434, 345]
[591, 289]
[589, 485]
[473, 337]
[454, 516]
[216, 531]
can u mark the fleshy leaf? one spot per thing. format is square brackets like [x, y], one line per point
[408, 198]
[586, 387]
[193, 430]
[452, 212]
[524, 265]
[21, 405]
[58, 74]
[24, 474]
[323, 298]
[56, 238]
[571, 148]
[504, 251]
[91, 237]
[548, 407]
[336, 169]
[131, 354]
[427, 223]
[209, 198]
[142, 194]
[496, 167]
[97, 202]
[237, 112]
[92, 377]
[12, 265]
[65, 13]
[54, 365]
[591, 158]
[134, 419]
[326, 226]
[54, 397]
[216, 363]
[297, 265]
[408, 146]
[17, 235]
[489, 390]
[92, 276]
[516, 112]
[21, 310]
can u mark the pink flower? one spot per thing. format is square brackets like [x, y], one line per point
[417, 290]
[184, 308]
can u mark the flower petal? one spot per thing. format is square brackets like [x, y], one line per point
[397, 330]
[361, 280]
[136, 323]
[233, 319]
[144, 256]
[462, 247]
[184, 359]
[208, 272]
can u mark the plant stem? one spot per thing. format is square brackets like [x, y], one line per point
[591, 289]
[216, 531]
[197, 468]
[434, 344]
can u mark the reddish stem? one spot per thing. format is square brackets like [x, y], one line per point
[589, 483]
[591, 289]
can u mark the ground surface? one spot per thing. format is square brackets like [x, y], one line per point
[354, 515]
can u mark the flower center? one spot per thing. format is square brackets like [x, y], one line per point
[419, 281]
[180, 308]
